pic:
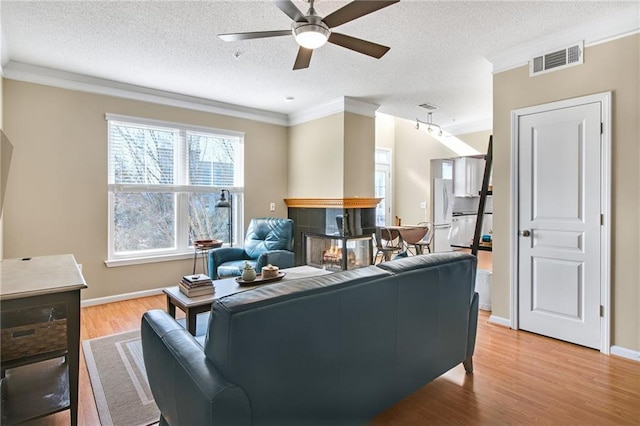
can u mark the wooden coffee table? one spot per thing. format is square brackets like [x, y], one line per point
[192, 306]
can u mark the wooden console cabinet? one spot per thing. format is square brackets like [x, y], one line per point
[40, 350]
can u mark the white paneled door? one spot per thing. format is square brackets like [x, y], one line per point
[559, 218]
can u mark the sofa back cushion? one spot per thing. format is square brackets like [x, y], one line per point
[265, 234]
[339, 348]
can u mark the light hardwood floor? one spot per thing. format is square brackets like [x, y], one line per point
[519, 379]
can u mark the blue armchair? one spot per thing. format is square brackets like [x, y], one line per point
[268, 241]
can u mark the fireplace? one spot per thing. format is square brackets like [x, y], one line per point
[336, 253]
[334, 234]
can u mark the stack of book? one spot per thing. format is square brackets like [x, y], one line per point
[196, 285]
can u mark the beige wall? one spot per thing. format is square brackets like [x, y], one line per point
[477, 140]
[612, 66]
[414, 150]
[332, 157]
[56, 199]
[316, 157]
[359, 155]
[385, 131]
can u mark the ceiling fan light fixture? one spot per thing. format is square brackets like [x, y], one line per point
[312, 31]
[310, 35]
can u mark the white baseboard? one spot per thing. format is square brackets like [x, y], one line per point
[485, 307]
[615, 350]
[505, 322]
[625, 353]
[120, 297]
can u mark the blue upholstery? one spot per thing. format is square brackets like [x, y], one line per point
[268, 241]
[335, 349]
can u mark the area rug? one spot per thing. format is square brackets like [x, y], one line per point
[119, 381]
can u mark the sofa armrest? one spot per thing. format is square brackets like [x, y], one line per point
[281, 258]
[186, 386]
[218, 256]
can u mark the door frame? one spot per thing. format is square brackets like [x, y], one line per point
[605, 204]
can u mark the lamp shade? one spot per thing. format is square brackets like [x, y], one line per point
[223, 203]
[312, 34]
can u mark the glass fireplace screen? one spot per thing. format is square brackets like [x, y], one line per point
[335, 253]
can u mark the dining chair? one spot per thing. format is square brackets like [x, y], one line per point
[391, 237]
[386, 246]
[411, 236]
[426, 240]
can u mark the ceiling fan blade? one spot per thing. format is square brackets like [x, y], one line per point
[290, 10]
[303, 59]
[355, 10]
[358, 45]
[256, 34]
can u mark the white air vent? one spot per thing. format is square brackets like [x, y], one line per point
[557, 60]
[428, 106]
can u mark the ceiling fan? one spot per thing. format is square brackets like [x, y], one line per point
[312, 31]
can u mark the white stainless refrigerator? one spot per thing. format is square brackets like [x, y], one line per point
[442, 202]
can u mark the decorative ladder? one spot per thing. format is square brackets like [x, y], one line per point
[483, 197]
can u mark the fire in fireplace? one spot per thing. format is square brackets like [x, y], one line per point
[337, 253]
[333, 257]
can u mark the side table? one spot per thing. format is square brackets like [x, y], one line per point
[202, 247]
[193, 306]
[40, 337]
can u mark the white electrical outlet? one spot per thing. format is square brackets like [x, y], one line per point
[423, 204]
[272, 207]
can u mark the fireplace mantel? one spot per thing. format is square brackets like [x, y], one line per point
[333, 203]
[341, 218]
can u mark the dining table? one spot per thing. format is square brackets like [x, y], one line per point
[410, 235]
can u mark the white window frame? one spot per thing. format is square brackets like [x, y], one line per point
[181, 250]
[385, 167]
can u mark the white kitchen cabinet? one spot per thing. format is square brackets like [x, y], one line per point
[441, 238]
[462, 230]
[467, 176]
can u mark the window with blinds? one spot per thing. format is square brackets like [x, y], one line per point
[164, 182]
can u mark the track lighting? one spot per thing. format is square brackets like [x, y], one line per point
[429, 123]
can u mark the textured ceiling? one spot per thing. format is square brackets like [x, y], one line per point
[438, 49]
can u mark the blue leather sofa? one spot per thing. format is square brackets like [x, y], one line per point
[268, 240]
[335, 349]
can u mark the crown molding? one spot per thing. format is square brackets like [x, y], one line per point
[72, 81]
[359, 107]
[619, 26]
[318, 111]
[343, 104]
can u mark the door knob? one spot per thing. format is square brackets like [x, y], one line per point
[525, 233]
